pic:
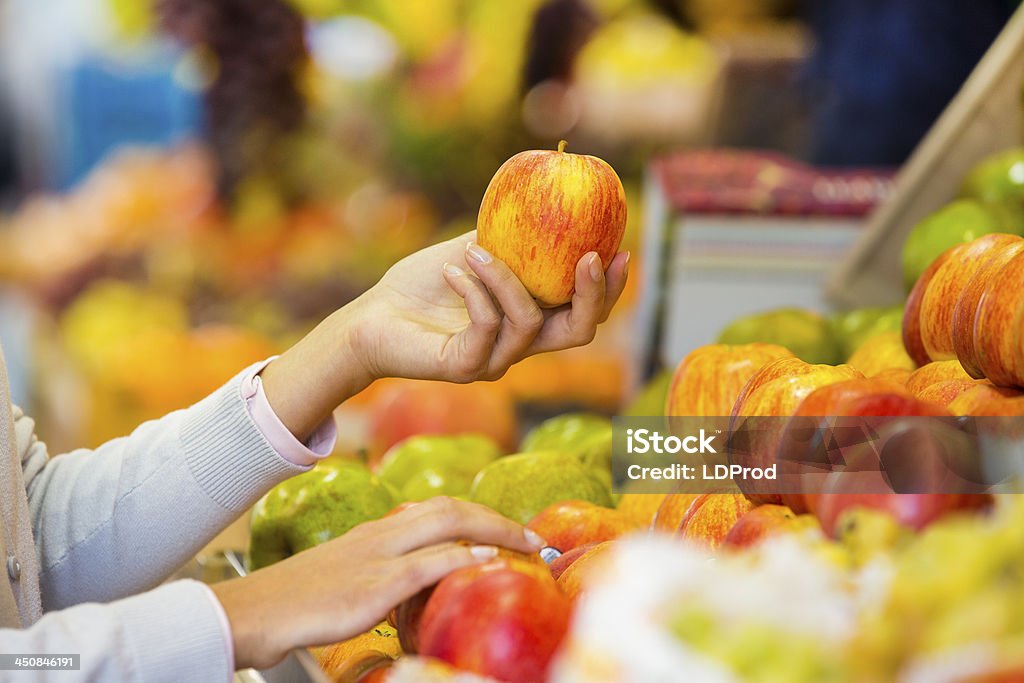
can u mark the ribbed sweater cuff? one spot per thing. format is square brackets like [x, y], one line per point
[226, 451]
[173, 633]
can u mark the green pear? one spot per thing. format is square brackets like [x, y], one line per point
[586, 436]
[959, 221]
[997, 177]
[519, 486]
[807, 334]
[853, 328]
[315, 507]
[422, 467]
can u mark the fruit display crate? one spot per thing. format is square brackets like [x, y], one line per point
[986, 116]
[729, 233]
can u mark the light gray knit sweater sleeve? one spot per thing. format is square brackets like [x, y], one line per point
[118, 520]
[171, 634]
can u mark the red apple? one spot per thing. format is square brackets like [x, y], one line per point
[764, 521]
[869, 397]
[578, 575]
[775, 391]
[406, 619]
[543, 210]
[945, 287]
[571, 523]
[880, 353]
[931, 373]
[711, 517]
[981, 398]
[828, 400]
[999, 326]
[672, 512]
[912, 341]
[565, 560]
[895, 375]
[355, 658]
[945, 392]
[409, 407]
[503, 619]
[966, 310]
[710, 378]
[779, 387]
[915, 510]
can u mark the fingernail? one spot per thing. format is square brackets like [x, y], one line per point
[478, 253]
[483, 552]
[534, 539]
[625, 265]
[595, 268]
[453, 270]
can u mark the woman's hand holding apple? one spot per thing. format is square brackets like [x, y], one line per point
[450, 312]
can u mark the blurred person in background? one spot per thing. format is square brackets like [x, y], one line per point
[87, 536]
[882, 71]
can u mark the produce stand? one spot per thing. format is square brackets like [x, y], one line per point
[986, 116]
[730, 233]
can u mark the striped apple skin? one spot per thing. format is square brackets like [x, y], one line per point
[543, 210]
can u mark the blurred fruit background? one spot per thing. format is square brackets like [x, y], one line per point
[188, 186]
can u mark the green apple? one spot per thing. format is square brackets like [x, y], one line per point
[997, 177]
[853, 328]
[586, 436]
[959, 221]
[315, 507]
[807, 334]
[519, 486]
[422, 467]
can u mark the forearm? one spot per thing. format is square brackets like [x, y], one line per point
[173, 633]
[119, 519]
[308, 381]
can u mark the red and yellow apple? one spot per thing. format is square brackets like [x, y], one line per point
[776, 390]
[543, 210]
[712, 516]
[503, 619]
[868, 397]
[999, 326]
[672, 511]
[945, 392]
[580, 573]
[710, 378]
[914, 510]
[879, 353]
[779, 387]
[932, 373]
[764, 521]
[912, 341]
[565, 560]
[966, 310]
[945, 287]
[981, 399]
[357, 656]
[571, 523]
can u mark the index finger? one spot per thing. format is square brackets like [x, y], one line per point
[441, 519]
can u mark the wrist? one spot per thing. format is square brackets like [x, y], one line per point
[324, 369]
[252, 636]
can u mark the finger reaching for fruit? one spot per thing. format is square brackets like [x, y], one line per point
[343, 587]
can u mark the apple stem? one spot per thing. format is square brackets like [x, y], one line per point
[561, 145]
